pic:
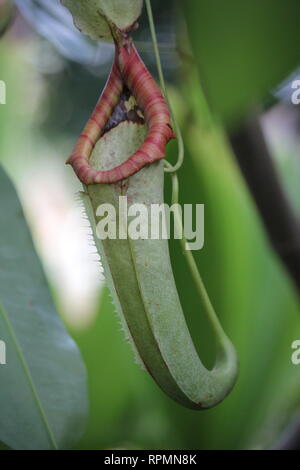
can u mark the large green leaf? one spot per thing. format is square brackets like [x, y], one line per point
[43, 401]
[243, 49]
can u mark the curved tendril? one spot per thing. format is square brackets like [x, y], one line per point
[168, 168]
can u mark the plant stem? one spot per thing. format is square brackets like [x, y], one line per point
[208, 307]
[172, 168]
[201, 289]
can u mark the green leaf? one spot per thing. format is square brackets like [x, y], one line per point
[92, 17]
[242, 49]
[43, 401]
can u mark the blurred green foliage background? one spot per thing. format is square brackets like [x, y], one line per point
[250, 290]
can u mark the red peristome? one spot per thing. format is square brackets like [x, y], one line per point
[128, 69]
